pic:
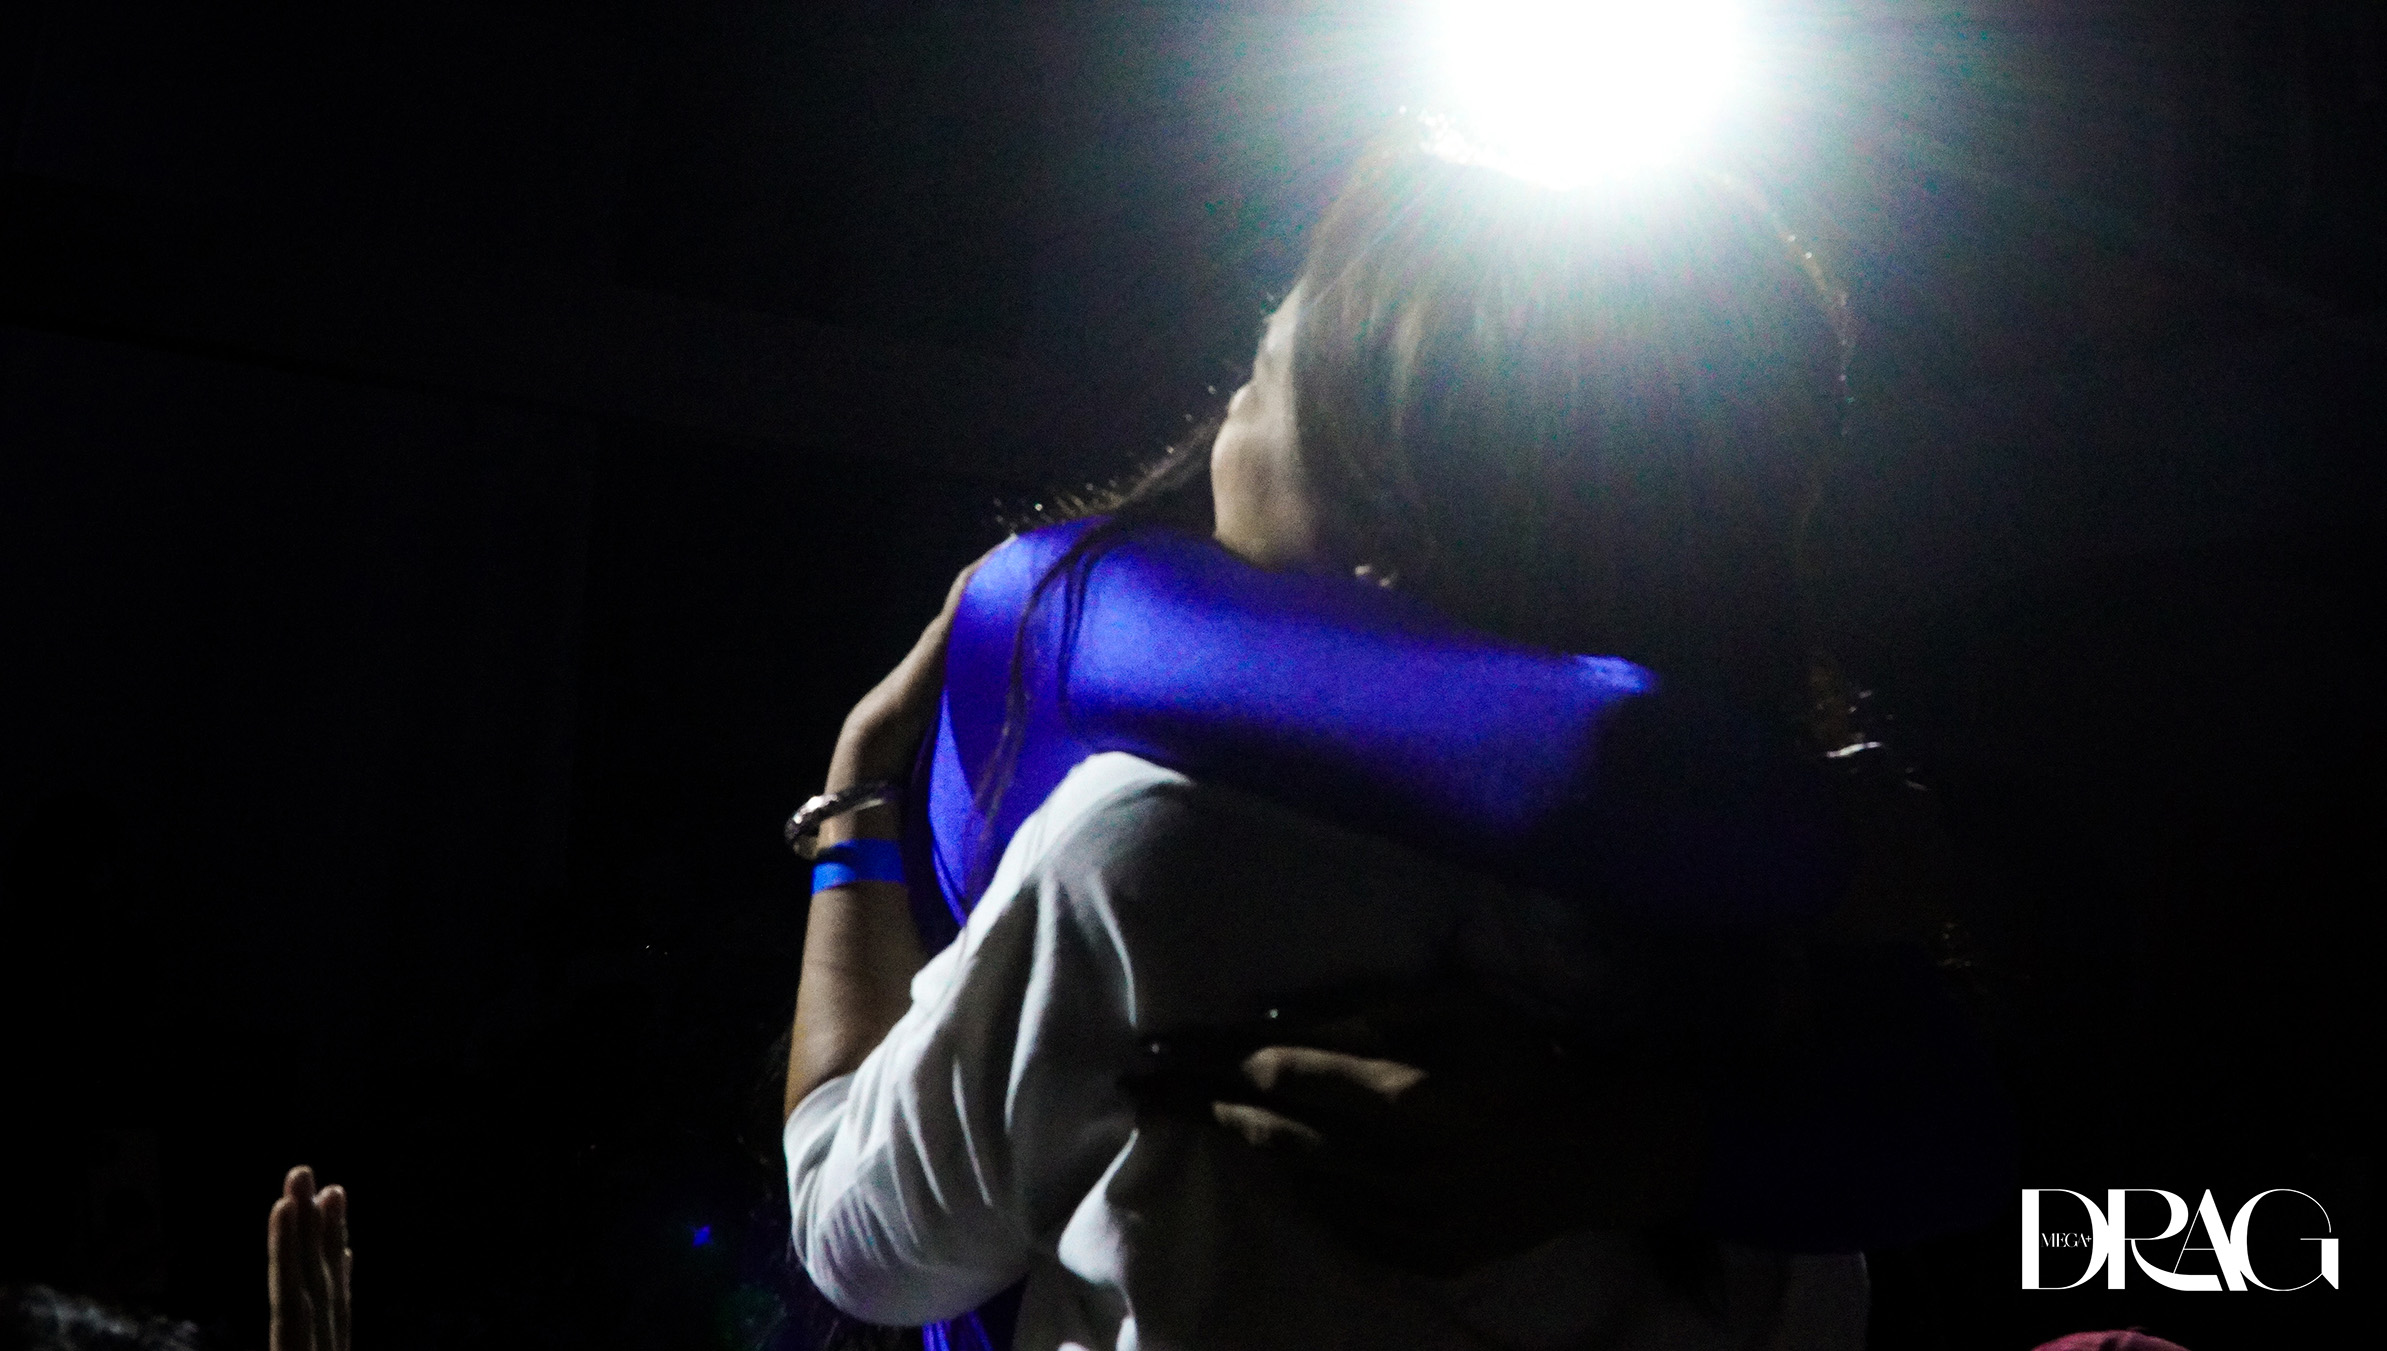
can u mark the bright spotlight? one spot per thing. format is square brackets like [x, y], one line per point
[1562, 93]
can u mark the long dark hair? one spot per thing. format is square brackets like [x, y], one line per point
[1591, 421]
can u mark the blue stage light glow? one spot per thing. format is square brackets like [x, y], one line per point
[702, 1236]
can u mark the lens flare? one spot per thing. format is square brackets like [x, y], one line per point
[1566, 93]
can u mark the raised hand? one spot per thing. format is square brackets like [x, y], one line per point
[861, 947]
[883, 729]
[307, 1266]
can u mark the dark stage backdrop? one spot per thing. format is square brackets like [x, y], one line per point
[393, 783]
[458, 463]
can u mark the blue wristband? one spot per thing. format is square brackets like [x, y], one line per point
[842, 865]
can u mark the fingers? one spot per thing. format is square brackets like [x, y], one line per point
[961, 580]
[882, 729]
[288, 1325]
[307, 1266]
[929, 653]
[338, 1262]
[1334, 1113]
[1345, 1158]
[932, 639]
[926, 660]
[313, 1285]
[1263, 1129]
[319, 1294]
[1307, 1080]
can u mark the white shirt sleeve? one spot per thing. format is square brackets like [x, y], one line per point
[988, 1136]
[924, 1182]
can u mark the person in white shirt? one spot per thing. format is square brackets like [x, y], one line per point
[1591, 424]
[988, 1137]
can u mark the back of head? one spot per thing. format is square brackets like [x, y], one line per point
[1589, 420]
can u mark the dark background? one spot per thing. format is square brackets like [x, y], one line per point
[458, 462]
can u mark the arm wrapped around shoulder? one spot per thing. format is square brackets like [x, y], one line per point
[1587, 776]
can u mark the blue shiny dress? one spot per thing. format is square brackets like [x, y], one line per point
[1580, 775]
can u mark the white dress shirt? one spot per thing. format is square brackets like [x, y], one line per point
[987, 1138]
